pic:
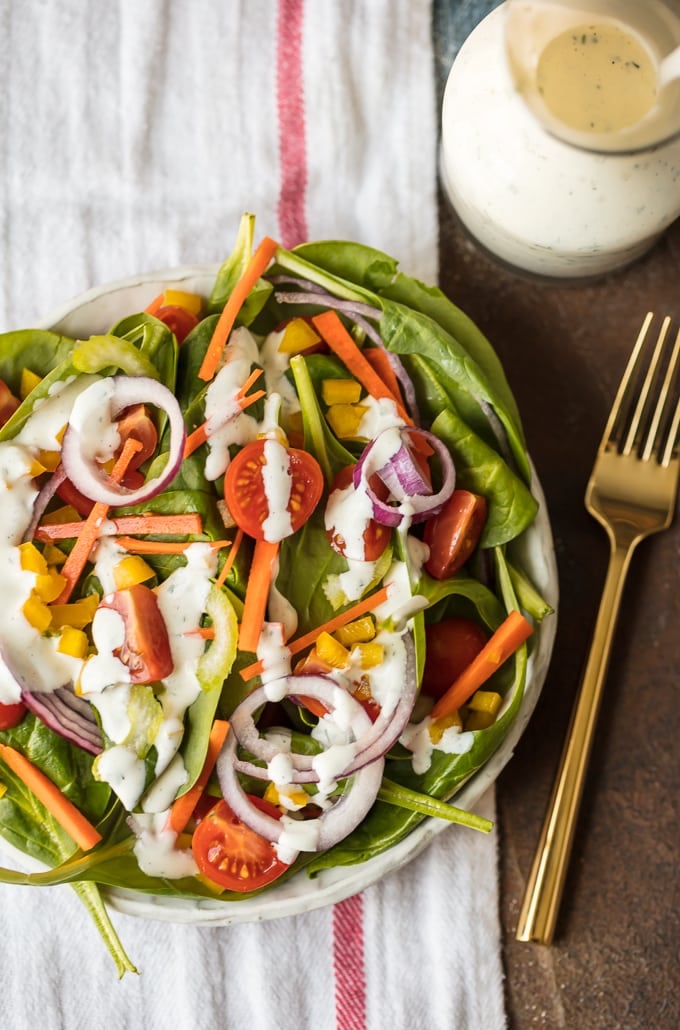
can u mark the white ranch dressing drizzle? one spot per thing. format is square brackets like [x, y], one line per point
[155, 848]
[277, 482]
[416, 738]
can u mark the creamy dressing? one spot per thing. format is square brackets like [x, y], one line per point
[274, 655]
[277, 482]
[416, 738]
[597, 78]
[155, 849]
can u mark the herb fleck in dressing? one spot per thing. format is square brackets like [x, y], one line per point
[597, 78]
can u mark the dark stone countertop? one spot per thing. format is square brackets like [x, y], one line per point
[613, 963]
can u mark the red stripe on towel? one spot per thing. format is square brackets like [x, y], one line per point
[348, 964]
[291, 112]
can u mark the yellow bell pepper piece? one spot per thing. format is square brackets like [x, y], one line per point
[340, 391]
[345, 419]
[131, 570]
[358, 632]
[31, 559]
[483, 707]
[298, 336]
[29, 380]
[61, 515]
[73, 642]
[368, 655]
[331, 651]
[180, 298]
[53, 555]
[37, 613]
[437, 729]
[49, 459]
[49, 586]
[78, 614]
[296, 796]
[3, 789]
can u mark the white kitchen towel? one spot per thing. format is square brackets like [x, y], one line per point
[133, 134]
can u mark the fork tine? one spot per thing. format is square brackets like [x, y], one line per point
[658, 413]
[608, 437]
[646, 387]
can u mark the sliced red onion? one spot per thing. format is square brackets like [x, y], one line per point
[85, 474]
[333, 825]
[417, 506]
[45, 495]
[68, 715]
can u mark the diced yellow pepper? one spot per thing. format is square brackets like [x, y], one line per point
[181, 299]
[31, 559]
[479, 720]
[439, 726]
[49, 459]
[293, 423]
[357, 632]
[29, 380]
[331, 650]
[131, 570]
[298, 336]
[214, 888]
[36, 468]
[37, 613]
[61, 515]
[340, 391]
[78, 614]
[73, 642]
[345, 419]
[53, 555]
[49, 586]
[296, 796]
[485, 701]
[3, 789]
[368, 655]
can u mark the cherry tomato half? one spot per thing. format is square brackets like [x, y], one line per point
[453, 534]
[376, 537]
[231, 854]
[146, 648]
[178, 320]
[450, 647]
[11, 715]
[244, 489]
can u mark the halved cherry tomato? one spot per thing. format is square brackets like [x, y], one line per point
[146, 648]
[450, 647]
[11, 715]
[178, 320]
[8, 402]
[244, 489]
[376, 537]
[231, 854]
[453, 534]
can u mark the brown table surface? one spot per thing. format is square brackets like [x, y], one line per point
[613, 963]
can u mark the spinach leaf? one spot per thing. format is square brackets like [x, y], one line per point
[35, 349]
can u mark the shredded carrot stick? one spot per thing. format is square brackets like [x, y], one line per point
[199, 435]
[182, 809]
[156, 304]
[204, 632]
[229, 563]
[502, 644]
[77, 559]
[252, 378]
[130, 524]
[379, 362]
[341, 343]
[247, 401]
[130, 543]
[257, 593]
[295, 646]
[256, 267]
[195, 439]
[64, 811]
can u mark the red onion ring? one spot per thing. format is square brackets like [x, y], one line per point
[45, 495]
[416, 505]
[87, 477]
[68, 715]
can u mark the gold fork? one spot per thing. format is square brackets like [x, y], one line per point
[632, 492]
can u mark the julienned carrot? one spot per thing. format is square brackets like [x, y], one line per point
[228, 565]
[130, 543]
[156, 304]
[77, 559]
[503, 643]
[378, 360]
[341, 343]
[200, 433]
[64, 811]
[257, 594]
[182, 809]
[255, 268]
[295, 646]
[130, 524]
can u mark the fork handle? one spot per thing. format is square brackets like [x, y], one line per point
[543, 893]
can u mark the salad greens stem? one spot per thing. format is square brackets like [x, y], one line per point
[403, 797]
[91, 898]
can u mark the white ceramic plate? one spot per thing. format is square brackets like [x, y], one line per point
[95, 312]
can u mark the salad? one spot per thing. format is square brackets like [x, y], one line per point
[265, 609]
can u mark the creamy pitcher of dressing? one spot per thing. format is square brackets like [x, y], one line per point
[561, 132]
